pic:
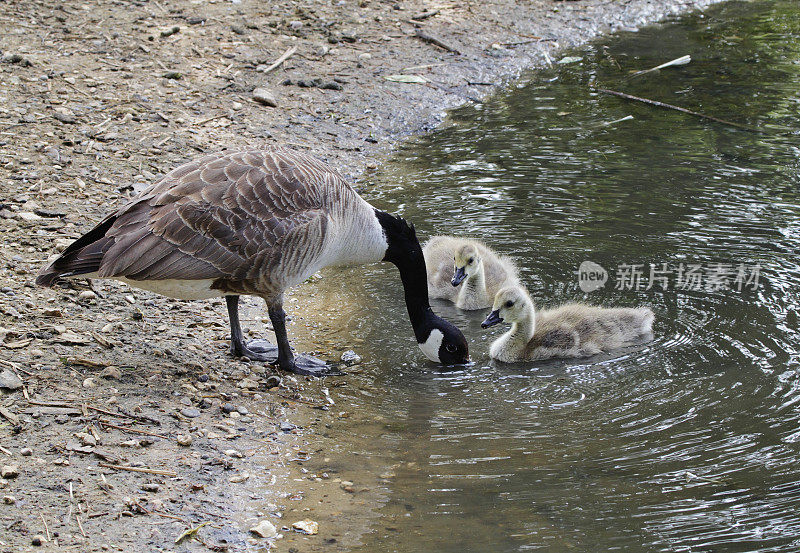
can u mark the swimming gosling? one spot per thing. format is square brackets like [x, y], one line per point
[466, 272]
[255, 222]
[571, 330]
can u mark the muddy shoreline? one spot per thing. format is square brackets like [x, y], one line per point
[96, 101]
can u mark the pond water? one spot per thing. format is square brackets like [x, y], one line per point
[690, 442]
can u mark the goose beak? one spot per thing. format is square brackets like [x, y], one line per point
[459, 276]
[493, 318]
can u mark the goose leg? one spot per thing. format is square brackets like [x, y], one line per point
[257, 350]
[302, 364]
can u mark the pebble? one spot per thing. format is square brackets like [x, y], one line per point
[87, 295]
[287, 427]
[265, 97]
[264, 529]
[306, 526]
[191, 413]
[150, 487]
[273, 381]
[111, 373]
[89, 383]
[184, 439]
[242, 410]
[9, 499]
[37, 540]
[350, 358]
[9, 380]
[234, 453]
[9, 471]
[26, 452]
[228, 408]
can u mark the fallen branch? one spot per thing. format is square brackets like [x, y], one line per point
[425, 15]
[133, 430]
[435, 41]
[286, 55]
[125, 414]
[140, 469]
[677, 108]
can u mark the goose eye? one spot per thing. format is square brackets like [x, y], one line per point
[451, 348]
[470, 260]
[509, 303]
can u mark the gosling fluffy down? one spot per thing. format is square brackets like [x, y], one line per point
[466, 272]
[571, 330]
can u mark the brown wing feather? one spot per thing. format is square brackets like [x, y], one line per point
[233, 217]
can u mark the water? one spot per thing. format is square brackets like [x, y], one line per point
[687, 443]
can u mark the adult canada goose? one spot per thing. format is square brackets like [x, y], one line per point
[571, 330]
[452, 261]
[255, 222]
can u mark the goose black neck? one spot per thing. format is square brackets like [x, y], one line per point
[404, 251]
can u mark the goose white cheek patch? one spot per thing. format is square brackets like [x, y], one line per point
[430, 347]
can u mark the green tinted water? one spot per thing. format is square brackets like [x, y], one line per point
[687, 443]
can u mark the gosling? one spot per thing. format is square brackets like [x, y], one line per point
[479, 271]
[571, 330]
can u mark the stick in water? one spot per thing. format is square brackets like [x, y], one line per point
[676, 108]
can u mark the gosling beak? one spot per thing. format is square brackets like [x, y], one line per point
[459, 276]
[493, 318]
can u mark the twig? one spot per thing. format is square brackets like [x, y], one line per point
[12, 418]
[123, 413]
[133, 430]
[286, 55]
[7, 452]
[212, 118]
[81, 526]
[424, 15]
[46, 529]
[677, 108]
[435, 41]
[140, 469]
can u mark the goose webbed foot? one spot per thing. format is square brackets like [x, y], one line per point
[256, 350]
[309, 366]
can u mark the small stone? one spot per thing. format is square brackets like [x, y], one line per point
[9, 380]
[273, 381]
[242, 410]
[228, 408]
[87, 295]
[264, 529]
[184, 440]
[287, 427]
[111, 373]
[89, 383]
[237, 478]
[234, 453]
[350, 358]
[86, 439]
[248, 384]
[9, 499]
[150, 487]
[265, 97]
[9, 471]
[365, 56]
[191, 413]
[306, 526]
[26, 452]
[37, 540]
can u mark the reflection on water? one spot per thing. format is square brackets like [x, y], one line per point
[687, 443]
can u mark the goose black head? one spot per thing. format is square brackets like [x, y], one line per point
[445, 344]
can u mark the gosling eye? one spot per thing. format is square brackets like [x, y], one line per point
[509, 303]
[470, 260]
[451, 348]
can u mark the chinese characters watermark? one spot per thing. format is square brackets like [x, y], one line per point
[677, 276]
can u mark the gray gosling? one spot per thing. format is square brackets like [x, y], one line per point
[466, 272]
[570, 330]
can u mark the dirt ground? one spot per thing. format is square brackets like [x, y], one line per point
[124, 422]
